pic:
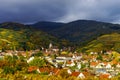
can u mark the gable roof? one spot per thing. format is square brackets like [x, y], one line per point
[106, 75]
[44, 69]
[69, 62]
[86, 73]
[94, 63]
[76, 74]
[32, 68]
[55, 71]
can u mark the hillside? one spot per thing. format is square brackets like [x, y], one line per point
[76, 33]
[79, 31]
[104, 42]
[21, 37]
[84, 30]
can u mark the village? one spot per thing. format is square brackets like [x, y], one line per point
[81, 65]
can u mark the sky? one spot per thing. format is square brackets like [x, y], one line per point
[31, 11]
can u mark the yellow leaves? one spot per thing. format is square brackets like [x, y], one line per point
[110, 37]
[10, 36]
[104, 42]
[3, 32]
[64, 52]
[4, 40]
[116, 55]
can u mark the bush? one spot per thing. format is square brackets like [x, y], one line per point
[8, 70]
[37, 62]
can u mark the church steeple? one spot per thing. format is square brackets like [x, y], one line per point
[50, 45]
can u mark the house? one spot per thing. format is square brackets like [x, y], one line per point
[9, 54]
[100, 65]
[30, 59]
[78, 65]
[55, 50]
[114, 62]
[87, 72]
[108, 66]
[78, 75]
[93, 53]
[60, 59]
[32, 68]
[23, 53]
[44, 70]
[93, 64]
[69, 71]
[50, 45]
[55, 71]
[118, 65]
[100, 70]
[48, 59]
[70, 63]
[104, 75]
[78, 57]
[56, 65]
[74, 56]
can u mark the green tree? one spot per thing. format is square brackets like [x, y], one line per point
[38, 54]
[99, 57]
[8, 70]
[37, 62]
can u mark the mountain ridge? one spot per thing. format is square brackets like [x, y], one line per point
[80, 28]
[78, 32]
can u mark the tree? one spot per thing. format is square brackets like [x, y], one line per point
[99, 57]
[38, 54]
[37, 62]
[8, 70]
[64, 74]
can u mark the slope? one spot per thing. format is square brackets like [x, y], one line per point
[103, 43]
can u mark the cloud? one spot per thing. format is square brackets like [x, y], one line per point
[101, 10]
[30, 11]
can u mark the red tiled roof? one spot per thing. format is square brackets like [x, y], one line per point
[69, 62]
[44, 69]
[104, 75]
[32, 68]
[55, 71]
[93, 64]
[114, 62]
[76, 74]
[105, 63]
[86, 74]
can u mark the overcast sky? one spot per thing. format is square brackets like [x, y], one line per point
[31, 11]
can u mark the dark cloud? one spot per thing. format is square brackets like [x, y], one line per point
[29, 11]
[102, 10]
